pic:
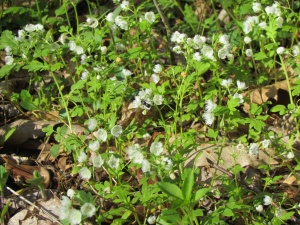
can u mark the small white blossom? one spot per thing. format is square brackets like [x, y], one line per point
[158, 99]
[150, 17]
[110, 17]
[175, 36]
[239, 96]
[157, 68]
[224, 39]
[145, 166]
[240, 147]
[97, 161]
[267, 200]
[102, 135]
[247, 40]
[29, 28]
[280, 50]
[208, 118]
[259, 208]
[79, 50]
[210, 106]
[116, 130]
[120, 47]
[113, 162]
[39, 27]
[75, 217]
[168, 163]
[72, 45]
[66, 202]
[241, 85]
[249, 52]
[256, 6]
[253, 149]
[197, 57]
[177, 49]
[82, 157]
[92, 22]
[226, 83]
[279, 21]
[125, 5]
[151, 219]
[265, 143]
[85, 75]
[296, 50]
[8, 60]
[223, 52]
[7, 50]
[94, 145]
[262, 25]
[290, 155]
[126, 72]
[121, 23]
[198, 41]
[154, 78]
[88, 210]
[103, 50]
[71, 193]
[208, 52]
[181, 38]
[156, 148]
[85, 173]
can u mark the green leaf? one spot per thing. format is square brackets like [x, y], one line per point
[287, 215]
[188, 184]
[35, 65]
[6, 136]
[3, 178]
[200, 194]
[54, 150]
[5, 70]
[256, 124]
[171, 190]
[279, 108]
[260, 56]
[37, 180]
[28, 105]
[7, 39]
[60, 11]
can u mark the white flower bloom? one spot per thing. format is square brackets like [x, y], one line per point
[197, 57]
[151, 219]
[181, 38]
[290, 155]
[121, 23]
[240, 147]
[82, 157]
[120, 47]
[103, 50]
[279, 21]
[83, 58]
[97, 161]
[125, 5]
[249, 52]
[259, 208]
[158, 99]
[94, 145]
[66, 202]
[79, 50]
[71, 193]
[175, 36]
[177, 49]
[168, 163]
[110, 17]
[224, 39]
[146, 136]
[256, 6]
[21, 35]
[157, 68]
[64, 212]
[102, 135]
[72, 45]
[75, 217]
[280, 50]
[154, 78]
[247, 40]
[29, 28]
[198, 41]
[208, 52]
[296, 50]
[88, 210]
[210, 106]
[230, 56]
[241, 85]
[85, 75]
[236, 95]
[116, 130]
[92, 124]
[113, 162]
[126, 72]
[8, 60]
[150, 17]
[145, 166]
[85, 173]
[223, 52]
[267, 200]
[253, 149]
[208, 118]
[7, 50]
[39, 27]
[226, 83]
[156, 148]
[265, 143]
[136, 102]
[262, 25]
[92, 22]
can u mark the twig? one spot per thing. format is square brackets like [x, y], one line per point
[163, 18]
[51, 217]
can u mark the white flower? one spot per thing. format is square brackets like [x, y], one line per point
[197, 57]
[66, 202]
[262, 25]
[154, 78]
[253, 149]
[259, 208]
[296, 50]
[247, 27]
[125, 5]
[94, 145]
[274, 9]
[208, 52]
[64, 212]
[85, 173]
[256, 6]
[39, 27]
[110, 17]
[290, 155]
[237, 95]
[21, 35]
[265, 143]
[120, 47]
[240, 147]
[103, 50]
[279, 212]
[126, 72]
[121, 23]
[85, 75]
[247, 40]
[267, 200]
[175, 36]
[249, 23]
[168, 163]
[280, 50]
[198, 41]
[78, 50]
[181, 38]
[74, 217]
[88, 209]
[151, 219]
[113, 162]
[177, 49]
[7, 50]
[224, 39]
[223, 52]
[210, 106]
[29, 28]
[82, 157]
[226, 83]
[116, 130]
[97, 161]
[156, 148]
[249, 52]
[158, 99]
[241, 85]
[150, 17]
[145, 166]
[72, 45]
[8, 60]
[279, 21]
[102, 135]
[92, 22]
[157, 68]
[208, 118]
[71, 193]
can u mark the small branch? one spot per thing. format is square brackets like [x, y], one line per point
[163, 18]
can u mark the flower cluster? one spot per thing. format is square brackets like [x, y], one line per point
[8, 58]
[208, 115]
[241, 86]
[225, 51]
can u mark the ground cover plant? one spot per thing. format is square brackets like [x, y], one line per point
[152, 112]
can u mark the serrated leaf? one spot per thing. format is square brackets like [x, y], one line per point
[7, 39]
[171, 190]
[35, 65]
[279, 108]
[5, 70]
[260, 56]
